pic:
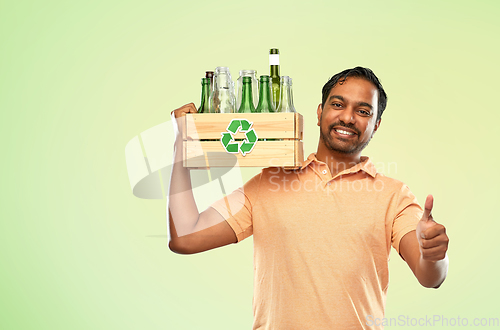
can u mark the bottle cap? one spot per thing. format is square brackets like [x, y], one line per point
[264, 78]
[247, 80]
[274, 51]
[209, 74]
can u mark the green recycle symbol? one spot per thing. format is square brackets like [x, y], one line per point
[245, 146]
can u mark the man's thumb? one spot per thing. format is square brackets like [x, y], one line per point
[428, 207]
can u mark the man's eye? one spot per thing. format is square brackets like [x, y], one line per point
[364, 112]
[336, 105]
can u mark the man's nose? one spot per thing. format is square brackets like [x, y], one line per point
[347, 116]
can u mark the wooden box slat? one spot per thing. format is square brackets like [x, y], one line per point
[267, 125]
[200, 154]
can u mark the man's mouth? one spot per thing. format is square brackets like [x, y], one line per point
[344, 132]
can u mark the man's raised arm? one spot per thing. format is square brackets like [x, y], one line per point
[189, 231]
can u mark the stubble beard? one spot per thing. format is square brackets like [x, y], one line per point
[346, 149]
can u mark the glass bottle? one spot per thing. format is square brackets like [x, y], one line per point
[222, 98]
[274, 67]
[255, 87]
[286, 97]
[265, 99]
[246, 97]
[205, 94]
[210, 75]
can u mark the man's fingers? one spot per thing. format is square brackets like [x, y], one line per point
[192, 108]
[187, 108]
[434, 231]
[435, 253]
[441, 239]
[428, 207]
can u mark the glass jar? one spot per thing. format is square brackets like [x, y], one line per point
[222, 98]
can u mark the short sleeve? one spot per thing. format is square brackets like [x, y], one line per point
[236, 208]
[408, 214]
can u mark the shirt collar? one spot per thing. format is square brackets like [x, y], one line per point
[365, 165]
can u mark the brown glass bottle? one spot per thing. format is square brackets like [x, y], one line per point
[210, 75]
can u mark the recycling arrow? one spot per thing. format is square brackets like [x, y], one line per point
[232, 146]
[251, 136]
[245, 125]
[233, 126]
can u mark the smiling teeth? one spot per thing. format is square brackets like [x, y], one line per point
[344, 132]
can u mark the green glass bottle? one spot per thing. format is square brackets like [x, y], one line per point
[205, 94]
[274, 65]
[246, 97]
[265, 99]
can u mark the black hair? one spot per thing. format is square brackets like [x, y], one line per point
[358, 72]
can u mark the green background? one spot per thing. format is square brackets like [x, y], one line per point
[78, 80]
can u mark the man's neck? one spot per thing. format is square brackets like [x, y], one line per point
[336, 161]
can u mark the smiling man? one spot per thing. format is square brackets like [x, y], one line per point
[322, 233]
[350, 109]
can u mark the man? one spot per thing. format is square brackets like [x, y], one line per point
[322, 233]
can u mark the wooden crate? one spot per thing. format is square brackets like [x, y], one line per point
[278, 140]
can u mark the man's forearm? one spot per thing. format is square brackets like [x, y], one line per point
[431, 274]
[181, 205]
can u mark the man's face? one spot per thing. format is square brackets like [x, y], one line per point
[349, 117]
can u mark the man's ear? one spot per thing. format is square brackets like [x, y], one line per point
[319, 111]
[377, 124]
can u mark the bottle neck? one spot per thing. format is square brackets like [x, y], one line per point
[211, 84]
[286, 101]
[274, 64]
[275, 71]
[222, 81]
[265, 104]
[247, 98]
[205, 94]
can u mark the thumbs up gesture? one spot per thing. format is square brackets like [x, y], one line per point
[431, 235]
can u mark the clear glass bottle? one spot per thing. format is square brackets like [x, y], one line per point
[274, 68]
[286, 97]
[246, 97]
[205, 94]
[255, 87]
[265, 98]
[222, 98]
